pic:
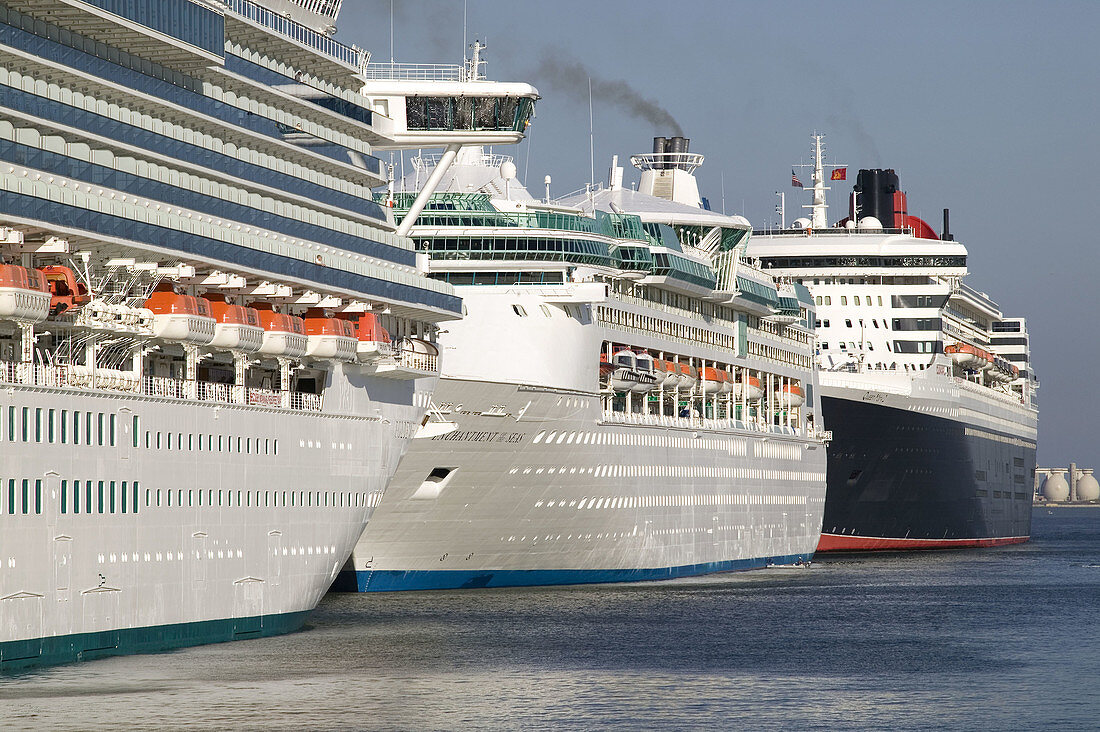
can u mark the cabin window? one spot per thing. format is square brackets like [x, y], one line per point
[828, 300]
[843, 300]
[519, 310]
[848, 323]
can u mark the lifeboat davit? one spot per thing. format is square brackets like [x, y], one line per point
[624, 377]
[24, 296]
[749, 389]
[66, 292]
[182, 318]
[713, 379]
[284, 335]
[329, 337]
[374, 340]
[790, 395]
[645, 373]
[236, 327]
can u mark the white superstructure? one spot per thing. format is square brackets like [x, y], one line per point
[628, 397]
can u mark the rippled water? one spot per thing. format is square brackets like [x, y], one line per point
[990, 639]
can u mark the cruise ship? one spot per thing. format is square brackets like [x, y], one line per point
[926, 385]
[215, 345]
[629, 396]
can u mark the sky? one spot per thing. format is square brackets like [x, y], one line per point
[987, 108]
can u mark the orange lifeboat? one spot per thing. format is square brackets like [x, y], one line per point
[374, 340]
[688, 376]
[790, 395]
[183, 318]
[668, 374]
[24, 296]
[236, 327]
[713, 380]
[329, 337]
[750, 389]
[66, 292]
[284, 335]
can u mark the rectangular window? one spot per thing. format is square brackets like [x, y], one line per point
[50, 426]
[190, 442]
[38, 496]
[11, 496]
[158, 440]
[76, 428]
[123, 496]
[100, 501]
[76, 496]
[26, 495]
[26, 423]
[134, 498]
[99, 430]
[112, 426]
[87, 496]
[64, 426]
[137, 428]
[64, 495]
[112, 496]
[38, 424]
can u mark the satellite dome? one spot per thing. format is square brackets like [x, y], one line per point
[870, 224]
[1055, 487]
[801, 223]
[1087, 488]
[508, 170]
[849, 224]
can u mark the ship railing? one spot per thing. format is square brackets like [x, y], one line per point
[420, 361]
[703, 423]
[68, 376]
[386, 70]
[988, 391]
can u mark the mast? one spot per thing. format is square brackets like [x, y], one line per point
[819, 217]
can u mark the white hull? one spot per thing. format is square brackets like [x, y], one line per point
[604, 501]
[235, 541]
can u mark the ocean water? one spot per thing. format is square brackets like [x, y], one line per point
[991, 639]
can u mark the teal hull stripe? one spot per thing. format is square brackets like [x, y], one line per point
[53, 650]
[397, 580]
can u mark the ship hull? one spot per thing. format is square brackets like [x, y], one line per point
[539, 486]
[917, 474]
[135, 524]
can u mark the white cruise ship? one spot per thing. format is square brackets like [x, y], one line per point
[214, 345]
[627, 397]
[925, 384]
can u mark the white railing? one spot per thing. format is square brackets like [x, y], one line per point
[387, 70]
[700, 423]
[988, 391]
[421, 361]
[83, 378]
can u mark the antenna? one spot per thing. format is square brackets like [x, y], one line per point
[723, 193]
[391, 31]
[781, 209]
[591, 139]
[464, 27]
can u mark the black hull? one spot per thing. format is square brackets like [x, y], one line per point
[903, 480]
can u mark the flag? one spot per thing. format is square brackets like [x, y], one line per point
[795, 181]
[840, 174]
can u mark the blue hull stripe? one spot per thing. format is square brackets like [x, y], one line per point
[398, 580]
[53, 650]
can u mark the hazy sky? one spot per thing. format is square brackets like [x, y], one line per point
[990, 109]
